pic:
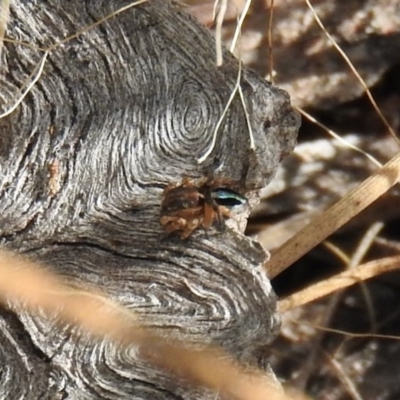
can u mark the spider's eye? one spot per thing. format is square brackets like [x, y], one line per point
[228, 198]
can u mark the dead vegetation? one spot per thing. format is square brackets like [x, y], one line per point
[343, 346]
[337, 347]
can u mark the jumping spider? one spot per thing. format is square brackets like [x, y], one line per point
[186, 207]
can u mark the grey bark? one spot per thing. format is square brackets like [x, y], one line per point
[119, 112]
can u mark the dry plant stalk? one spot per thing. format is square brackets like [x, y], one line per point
[4, 14]
[26, 282]
[338, 215]
[354, 71]
[347, 278]
[338, 137]
[270, 75]
[218, 36]
[345, 380]
[34, 77]
[335, 217]
[349, 206]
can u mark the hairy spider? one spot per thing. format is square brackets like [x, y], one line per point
[186, 207]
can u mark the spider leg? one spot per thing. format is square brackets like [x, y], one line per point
[225, 211]
[188, 213]
[220, 221]
[222, 212]
[209, 215]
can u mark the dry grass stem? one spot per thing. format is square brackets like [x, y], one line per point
[359, 254]
[248, 119]
[346, 381]
[33, 78]
[339, 138]
[99, 22]
[37, 72]
[331, 307]
[365, 244]
[239, 25]
[4, 14]
[335, 217]
[78, 33]
[26, 282]
[347, 278]
[221, 119]
[218, 30]
[34, 286]
[355, 72]
[336, 251]
[351, 335]
[270, 76]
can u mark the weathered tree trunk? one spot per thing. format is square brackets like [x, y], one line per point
[119, 111]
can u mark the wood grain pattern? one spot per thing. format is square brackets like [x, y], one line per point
[126, 108]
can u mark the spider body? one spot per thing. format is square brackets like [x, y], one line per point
[186, 207]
